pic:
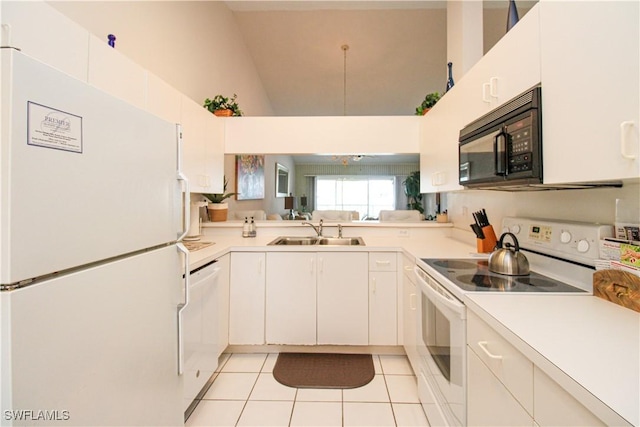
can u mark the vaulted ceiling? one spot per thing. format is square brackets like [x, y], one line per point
[396, 54]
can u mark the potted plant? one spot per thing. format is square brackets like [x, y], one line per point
[412, 191]
[429, 101]
[222, 106]
[217, 207]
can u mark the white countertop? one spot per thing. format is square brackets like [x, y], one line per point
[436, 246]
[582, 342]
[592, 341]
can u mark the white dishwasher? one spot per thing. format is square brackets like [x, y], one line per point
[200, 330]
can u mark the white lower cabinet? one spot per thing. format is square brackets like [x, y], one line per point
[224, 263]
[383, 306]
[489, 402]
[505, 388]
[316, 298]
[343, 309]
[554, 406]
[246, 298]
[291, 298]
[409, 311]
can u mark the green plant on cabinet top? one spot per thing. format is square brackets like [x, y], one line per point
[220, 102]
[429, 101]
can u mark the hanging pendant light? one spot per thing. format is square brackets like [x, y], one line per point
[345, 48]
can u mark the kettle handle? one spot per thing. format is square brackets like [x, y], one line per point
[513, 236]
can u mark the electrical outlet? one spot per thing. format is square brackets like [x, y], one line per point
[403, 233]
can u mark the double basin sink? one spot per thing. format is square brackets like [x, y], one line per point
[322, 241]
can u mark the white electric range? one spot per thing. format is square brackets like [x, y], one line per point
[562, 257]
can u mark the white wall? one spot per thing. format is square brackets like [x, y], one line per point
[195, 46]
[592, 205]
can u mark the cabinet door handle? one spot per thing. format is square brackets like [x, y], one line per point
[311, 265]
[623, 140]
[485, 93]
[373, 285]
[483, 346]
[320, 265]
[412, 302]
[383, 262]
[493, 87]
[260, 266]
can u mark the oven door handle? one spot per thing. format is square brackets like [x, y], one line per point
[437, 298]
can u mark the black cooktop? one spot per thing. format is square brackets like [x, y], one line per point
[474, 275]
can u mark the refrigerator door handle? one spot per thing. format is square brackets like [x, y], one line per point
[182, 306]
[186, 195]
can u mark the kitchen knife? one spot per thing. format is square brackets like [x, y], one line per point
[477, 230]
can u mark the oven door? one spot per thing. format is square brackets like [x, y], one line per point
[442, 354]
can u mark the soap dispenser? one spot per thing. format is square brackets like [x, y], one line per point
[252, 228]
[246, 228]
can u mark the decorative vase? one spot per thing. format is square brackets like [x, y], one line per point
[512, 15]
[218, 211]
[223, 113]
[450, 78]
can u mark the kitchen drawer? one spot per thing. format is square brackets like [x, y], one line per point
[382, 261]
[408, 263]
[510, 366]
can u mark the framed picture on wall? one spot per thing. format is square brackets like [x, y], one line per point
[282, 180]
[250, 177]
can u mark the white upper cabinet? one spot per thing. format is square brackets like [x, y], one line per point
[214, 153]
[590, 93]
[304, 135]
[439, 130]
[45, 34]
[114, 73]
[162, 99]
[510, 68]
[203, 138]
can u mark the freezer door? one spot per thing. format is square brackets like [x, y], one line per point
[85, 176]
[100, 344]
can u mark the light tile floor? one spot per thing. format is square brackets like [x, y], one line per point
[244, 393]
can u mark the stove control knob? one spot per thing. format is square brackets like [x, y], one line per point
[515, 229]
[583, 246]
[565, 237]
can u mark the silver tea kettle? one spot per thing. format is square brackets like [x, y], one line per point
[507, 258]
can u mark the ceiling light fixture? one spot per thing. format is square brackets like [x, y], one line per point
[345, 48]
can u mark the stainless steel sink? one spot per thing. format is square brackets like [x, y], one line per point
[341, 241]
[295, 241]
[324, 241]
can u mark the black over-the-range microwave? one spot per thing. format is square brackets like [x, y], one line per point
[504, 147]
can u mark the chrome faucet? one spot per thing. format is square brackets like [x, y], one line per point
[317, 229]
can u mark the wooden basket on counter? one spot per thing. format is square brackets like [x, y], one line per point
[619, 287]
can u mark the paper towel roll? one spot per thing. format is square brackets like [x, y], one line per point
[194, 228]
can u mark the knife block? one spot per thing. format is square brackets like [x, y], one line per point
[488, 244]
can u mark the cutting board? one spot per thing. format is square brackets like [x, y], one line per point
[619, 287]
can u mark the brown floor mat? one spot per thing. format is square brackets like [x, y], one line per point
[323, 370]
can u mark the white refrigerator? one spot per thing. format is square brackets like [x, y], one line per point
[92, 208]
